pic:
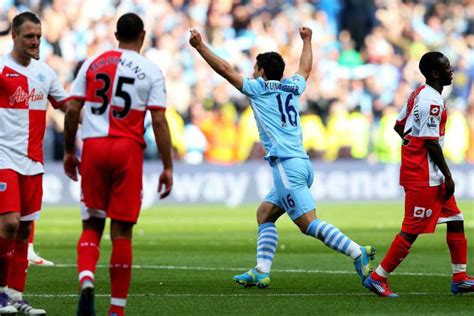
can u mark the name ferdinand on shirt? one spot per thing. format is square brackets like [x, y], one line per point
[113, 60]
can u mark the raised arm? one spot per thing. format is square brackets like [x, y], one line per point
[220, 66]
[163, 143]
[306, 59]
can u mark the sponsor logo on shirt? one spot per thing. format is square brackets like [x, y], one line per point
[10, 75]
[419, 212]
[432, 123]
[21, 96]
[435, 109]
[3, 186]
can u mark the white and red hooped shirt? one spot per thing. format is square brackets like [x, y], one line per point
[117, 88]
[24, 96]
[424, 117]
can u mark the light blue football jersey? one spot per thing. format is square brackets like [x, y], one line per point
[275, 106]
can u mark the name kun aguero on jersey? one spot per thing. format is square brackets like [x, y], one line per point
[276, 85]
[113, 60]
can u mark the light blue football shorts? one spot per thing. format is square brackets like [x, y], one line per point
[292, 178]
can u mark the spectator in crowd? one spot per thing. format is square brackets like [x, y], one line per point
[366, 54]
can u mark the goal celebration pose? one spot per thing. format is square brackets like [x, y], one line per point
[275, 105]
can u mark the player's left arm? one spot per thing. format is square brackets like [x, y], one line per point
[163, 143]
[306, 58]
[219, 65]
[71, 123]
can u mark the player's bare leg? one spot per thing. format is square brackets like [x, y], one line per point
[88, 251]
[457, 243]
[267, 241]
[9, 223]
[332, 237]
[17, 276]
[120, 265]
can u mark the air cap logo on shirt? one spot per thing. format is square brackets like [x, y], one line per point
[434, 109]
[3, 186]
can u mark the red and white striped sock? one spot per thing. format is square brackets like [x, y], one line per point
[120, 274]
[457, 244]
[398, 251]
[88, 251]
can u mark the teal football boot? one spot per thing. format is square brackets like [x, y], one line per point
[362, 265]
[253, 278]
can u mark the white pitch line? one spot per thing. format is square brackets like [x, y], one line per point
[240, 295]
[158, 267]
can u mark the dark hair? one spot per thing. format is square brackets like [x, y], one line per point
[272, 63]
[430, 61]
[22, 18]
[129, 27]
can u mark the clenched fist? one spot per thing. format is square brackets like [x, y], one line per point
[306, 33]
[195, 38]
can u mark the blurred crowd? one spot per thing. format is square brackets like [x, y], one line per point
[366, 55]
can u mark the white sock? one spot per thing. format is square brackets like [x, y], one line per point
[86, 284]
[381, 272]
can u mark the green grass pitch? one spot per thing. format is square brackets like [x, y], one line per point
[185, 257]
